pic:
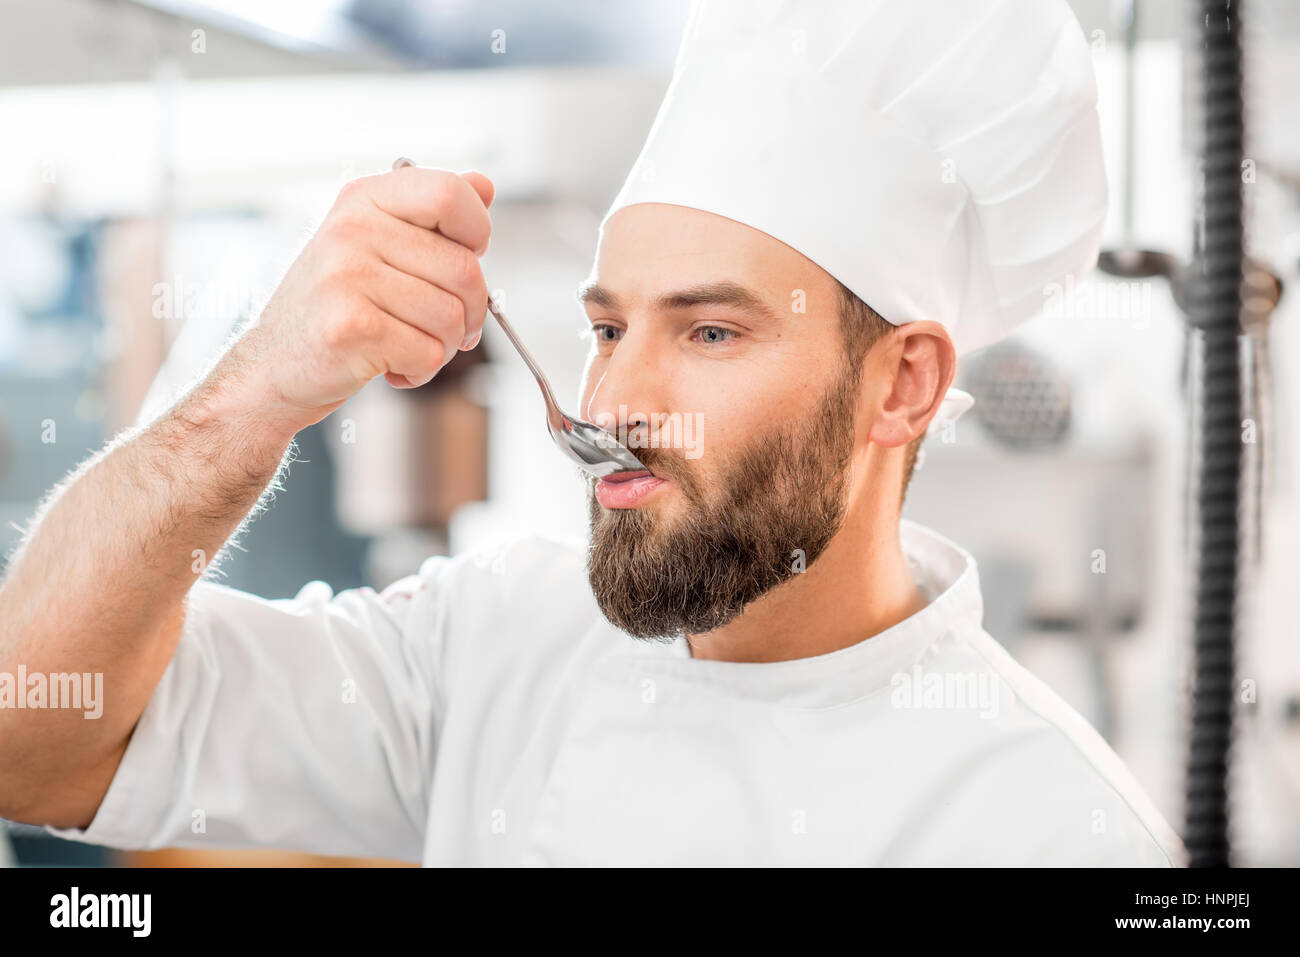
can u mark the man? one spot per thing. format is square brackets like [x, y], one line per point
[754, 662]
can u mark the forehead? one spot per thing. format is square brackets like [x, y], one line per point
[649, 247]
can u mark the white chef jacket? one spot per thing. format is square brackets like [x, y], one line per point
[484, 712]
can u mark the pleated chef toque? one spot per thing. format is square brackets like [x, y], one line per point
[940, 158]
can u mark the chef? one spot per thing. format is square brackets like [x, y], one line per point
[753, 660]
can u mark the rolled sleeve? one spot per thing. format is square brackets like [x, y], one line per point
[304, 724]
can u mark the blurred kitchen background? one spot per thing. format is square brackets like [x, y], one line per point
[165, 160]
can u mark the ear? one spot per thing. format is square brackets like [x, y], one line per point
[922, 362]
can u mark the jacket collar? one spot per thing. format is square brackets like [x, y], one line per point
[945, 571]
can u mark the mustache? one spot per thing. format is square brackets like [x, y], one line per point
[660, 461]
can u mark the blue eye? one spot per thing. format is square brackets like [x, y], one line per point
[605, 333]
[712, 334]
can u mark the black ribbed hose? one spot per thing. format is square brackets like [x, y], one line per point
[1215, 311]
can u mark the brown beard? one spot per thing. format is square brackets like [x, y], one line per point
[695, 573]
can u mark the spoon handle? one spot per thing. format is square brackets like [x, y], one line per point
[552, 407]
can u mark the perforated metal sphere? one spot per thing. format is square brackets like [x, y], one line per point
[1020, 397]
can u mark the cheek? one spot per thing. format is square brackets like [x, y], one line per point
[592, 370]
[726, 417]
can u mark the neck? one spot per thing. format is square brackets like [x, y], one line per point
[858, 587]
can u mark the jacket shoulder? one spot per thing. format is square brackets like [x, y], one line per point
[1038, 784]
[1124, 825]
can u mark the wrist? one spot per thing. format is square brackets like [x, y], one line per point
[225, 416]
[237, 393]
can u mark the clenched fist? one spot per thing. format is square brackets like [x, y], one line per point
[390, 284]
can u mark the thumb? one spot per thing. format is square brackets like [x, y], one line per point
[482, 185]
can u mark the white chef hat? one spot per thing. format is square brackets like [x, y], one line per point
[940, 158]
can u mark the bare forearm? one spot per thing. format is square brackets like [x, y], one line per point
[389, 285]
[99, 584]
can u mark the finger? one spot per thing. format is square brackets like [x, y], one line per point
[431, 309]
[398, 381]
[437, 260]
[433, 199]
[482, 185]
[401, 349]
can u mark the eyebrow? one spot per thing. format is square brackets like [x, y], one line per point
[722, 293]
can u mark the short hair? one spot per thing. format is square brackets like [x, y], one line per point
[862, 327]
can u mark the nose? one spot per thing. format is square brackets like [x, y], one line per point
[627, 391]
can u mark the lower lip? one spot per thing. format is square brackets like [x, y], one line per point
[629, 493]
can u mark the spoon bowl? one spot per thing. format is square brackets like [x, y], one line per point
[594, 449]
[597, 451]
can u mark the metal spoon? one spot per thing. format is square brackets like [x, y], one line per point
[595, 450]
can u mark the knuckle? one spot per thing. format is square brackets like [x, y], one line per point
[344, 227]
[353, 190]
[362, 266]
[368, 324]
[350, 324]
[442, 190]
[468, 273]
[335, 334]
[352, 263]
[455, 315]
[435, 351]
[333, 238]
